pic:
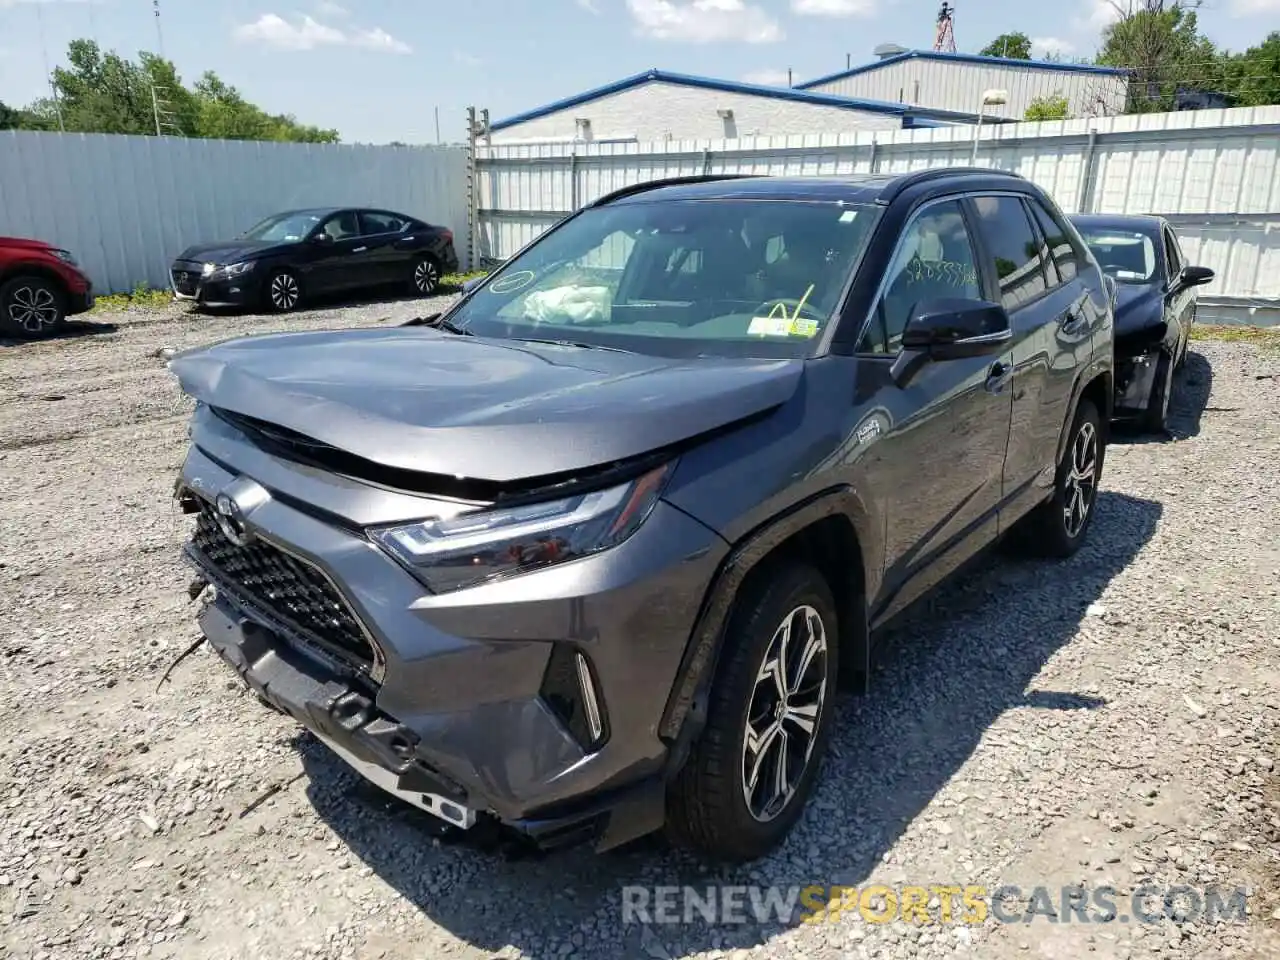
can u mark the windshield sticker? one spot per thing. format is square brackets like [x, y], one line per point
[779, 323]
[848, 216]
[512, 282]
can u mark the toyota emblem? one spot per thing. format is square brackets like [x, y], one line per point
[231, 520]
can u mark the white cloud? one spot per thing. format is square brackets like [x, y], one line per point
[1051, 46]
[1102, 13]
[833, 8]
[307, 33]
[377, 39]
[767, 78]
[704, 21]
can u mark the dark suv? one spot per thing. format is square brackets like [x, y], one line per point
[588, 553]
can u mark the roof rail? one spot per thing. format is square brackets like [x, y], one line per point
[647, 185]
[908, 180]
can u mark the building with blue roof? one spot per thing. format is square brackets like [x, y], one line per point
[957, 81]
[659, 105]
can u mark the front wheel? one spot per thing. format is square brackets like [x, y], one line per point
[31, 307]
[1057, 528]
[771, 711]
[426, 276]
[284, 293]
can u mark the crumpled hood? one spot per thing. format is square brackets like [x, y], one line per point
[229, 251]
[421, 399]
[1137, 306]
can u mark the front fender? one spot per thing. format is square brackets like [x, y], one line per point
[687, 704]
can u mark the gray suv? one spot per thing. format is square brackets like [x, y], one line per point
[589, 554]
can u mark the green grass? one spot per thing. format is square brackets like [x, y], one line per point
[456, 280]
[142, 296]
[1266, 337]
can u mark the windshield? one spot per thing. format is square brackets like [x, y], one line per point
[1127, 255]
[284, 227]
[682, 278]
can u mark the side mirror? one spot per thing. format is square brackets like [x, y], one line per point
[469, 285]
[322, 239]
[1194, 277]
[950, 329]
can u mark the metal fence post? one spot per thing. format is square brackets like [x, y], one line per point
[1085, 196]
[573, 178]
[472, 188]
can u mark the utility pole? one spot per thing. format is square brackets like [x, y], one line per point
[48, 74]
[437, 126]
[155, 4]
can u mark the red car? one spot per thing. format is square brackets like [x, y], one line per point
[40, 286]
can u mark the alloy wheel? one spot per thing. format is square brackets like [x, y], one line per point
[426, 277]
[33, 309]
[284, 291]
[1081, 481]
[784, 712]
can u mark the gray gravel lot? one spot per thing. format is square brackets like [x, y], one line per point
[1111, 720]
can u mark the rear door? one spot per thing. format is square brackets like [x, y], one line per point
[939, 462]
[382, 261]
[1051, 338]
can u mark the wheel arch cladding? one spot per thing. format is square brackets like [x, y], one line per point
[35, 271]
[822, 531]
[1098, 390]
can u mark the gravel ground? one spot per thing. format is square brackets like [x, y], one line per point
[1111, 720]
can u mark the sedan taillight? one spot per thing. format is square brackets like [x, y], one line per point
[447, 234]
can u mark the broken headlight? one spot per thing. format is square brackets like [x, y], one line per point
[474, 547]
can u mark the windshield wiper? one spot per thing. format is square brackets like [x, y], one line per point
[437, 322]
[571, 343]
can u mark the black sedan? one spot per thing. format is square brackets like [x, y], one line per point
[292, 256]
[1155, 308]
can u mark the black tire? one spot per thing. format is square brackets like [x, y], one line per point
[425, 276]
[1155, 419]
[707, 805]
[1047, 531]
[282, 291]
[31, 308]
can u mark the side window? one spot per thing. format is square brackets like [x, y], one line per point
[342, 225]
[934, 259]
[372, 222]
[1061, 251]
[1003, 224]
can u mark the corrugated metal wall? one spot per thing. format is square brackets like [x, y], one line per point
[957, 85]
[1215, 173]
[126, 205]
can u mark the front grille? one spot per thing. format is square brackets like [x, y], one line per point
[281, 586]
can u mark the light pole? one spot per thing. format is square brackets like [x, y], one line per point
[990, 98]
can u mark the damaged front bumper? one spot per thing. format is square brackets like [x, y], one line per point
[1137, 365]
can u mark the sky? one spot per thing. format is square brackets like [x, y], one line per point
[380, 70]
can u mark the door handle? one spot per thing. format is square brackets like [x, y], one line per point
[359, 249]
[998, 376]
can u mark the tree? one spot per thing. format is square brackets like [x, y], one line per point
[1012, 46]
[105, 93]
[1252, 78]
[1160, 43]
[1048, 108]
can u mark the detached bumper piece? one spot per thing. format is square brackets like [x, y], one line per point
[339, 712]
[1135, 381]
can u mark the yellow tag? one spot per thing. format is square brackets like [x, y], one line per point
[804, 328]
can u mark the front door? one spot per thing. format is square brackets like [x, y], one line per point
[336, 265]
[383, 261]
[940, 459]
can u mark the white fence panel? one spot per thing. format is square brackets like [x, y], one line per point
[1214, 173]
[125, 206]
